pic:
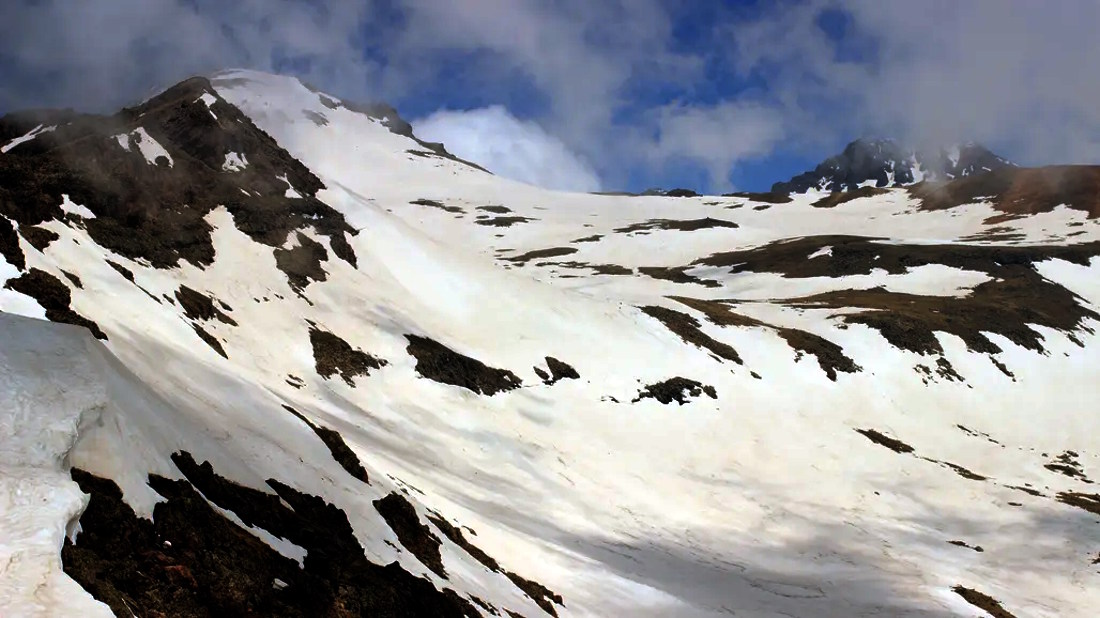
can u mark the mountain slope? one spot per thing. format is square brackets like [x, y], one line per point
[642, 405]
[885, 163]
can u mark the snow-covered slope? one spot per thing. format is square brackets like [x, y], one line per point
[650, 406]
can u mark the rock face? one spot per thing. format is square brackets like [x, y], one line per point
[886, 163]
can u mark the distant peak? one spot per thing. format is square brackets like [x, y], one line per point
[885, 162]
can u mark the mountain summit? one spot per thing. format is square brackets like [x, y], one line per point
[886, 163]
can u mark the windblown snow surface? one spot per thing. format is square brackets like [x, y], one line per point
[651, 406]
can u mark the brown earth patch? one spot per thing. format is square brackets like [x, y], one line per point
[1018, 191]
[191, 561]
[302, 263]
[38, 237]
[599, 269]
[977, 548]
[73, 279]
[884, 440]
[768, 197]
[413, 535]
[762, 207]
[1068, 465]
[54, 297]
[1088, 502]
[9, 245]
[830, 356]
[334, 356]
[560, 370]
[678, 389]
[688, 329]
[837, 198]
[439, 205]
[680, 225]
[198, 306]
[209, 340]
[439, 363]
[126, 273]
[552, 252]
[592, 238]
[495, 208]
[675, 275]
[503, 221]
[983, 602]
[339, 449]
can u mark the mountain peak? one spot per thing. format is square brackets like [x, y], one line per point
[884, 162]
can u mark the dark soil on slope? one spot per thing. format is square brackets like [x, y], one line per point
[54, 297]
[541, 253]
[209, 340]
[503, 221]
[680, 225]
[302, 263]
[770, 198]
[1018, 191]
[38, 237]
[688, 329]
[983, 601]
[191, 561]
[841, 197]
[884, 440]
[9, 246]
[339, 449]
[439, 205]
[198, 306]
[439, 363]
[332, 355]
[678, 389]
[413, 535]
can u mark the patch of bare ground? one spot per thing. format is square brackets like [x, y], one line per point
[559, 370]
[977, 548]
[413, 535]
[837, 198]
[884, 440]
[675, 275]
[1018, 191]
[680, 225]
[678, 389]
[503, 221]
[543, 596]
[302, 263]
[9, 245]
[599, 269]
[73, 279]
[537, 254]
[830, 356]
[339, 449]
[1068, 465]
[996, 234]
[439, 205]
[209, 340]
[199, 306]
[332, 355]
[1088, 502]
[770, 198]
[439, 363]
[983, 602]
[592, 238]
[762, 207]
[191, 561]
[495, 208]
[38, 237]
[156, 212]
[54, 296]
[688, 329]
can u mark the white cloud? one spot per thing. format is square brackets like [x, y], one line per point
[505, 145]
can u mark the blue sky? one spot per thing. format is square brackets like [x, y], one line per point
[610, 94]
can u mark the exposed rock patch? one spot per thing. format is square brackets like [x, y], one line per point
[680, 225]
[339, 449]
[209, 340]
[768, 197]
[1068, 465]
[411, 533]
[1018, 191]
[884, 440]
[191, 561]
[38, 237]
[334, 356]
[840, 197]
[1088, 502]
[541, 253]
[196, 305]
[977, 548]
[678, 389]
[983, 602]
[439, 363]
[439, 205]
[495, 208]
[503, 221]
[54, 297]
[9, 245]
[302, 263]
[688, 329]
